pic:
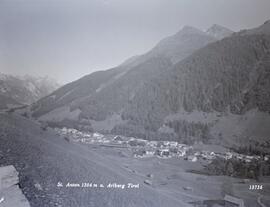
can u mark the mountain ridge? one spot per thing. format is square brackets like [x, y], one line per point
[226, 77]
[24, 90]
[150, 64]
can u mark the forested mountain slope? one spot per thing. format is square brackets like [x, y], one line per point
[216, 93]
[104, 93]
[229, 78]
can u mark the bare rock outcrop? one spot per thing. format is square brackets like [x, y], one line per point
[10, 193]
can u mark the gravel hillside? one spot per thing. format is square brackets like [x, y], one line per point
[43, 159]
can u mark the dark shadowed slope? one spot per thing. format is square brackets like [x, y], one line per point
[229, 76]
[212, 79]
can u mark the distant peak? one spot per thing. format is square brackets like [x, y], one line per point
[2, 76]
[218, 27]
[190, 30]
[218, 31]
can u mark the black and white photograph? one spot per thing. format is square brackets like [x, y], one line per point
[134, 103]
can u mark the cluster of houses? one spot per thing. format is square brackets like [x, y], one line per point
[232, 155]
[140, 147]
[143, 148]
[209, 156]
[161, 149]
[78, 136]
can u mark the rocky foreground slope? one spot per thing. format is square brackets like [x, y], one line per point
[45, 161]
[10, 193]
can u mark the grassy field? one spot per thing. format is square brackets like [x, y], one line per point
[43, 159]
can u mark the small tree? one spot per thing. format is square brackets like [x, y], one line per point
[229, 169]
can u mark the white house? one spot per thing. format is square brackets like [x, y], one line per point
[192, 158]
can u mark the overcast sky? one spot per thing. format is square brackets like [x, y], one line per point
[67, 39]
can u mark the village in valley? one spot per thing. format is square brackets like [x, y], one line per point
[161, 149]
[219, 165]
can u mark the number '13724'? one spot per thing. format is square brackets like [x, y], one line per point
[255, 187]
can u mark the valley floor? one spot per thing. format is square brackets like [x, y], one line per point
[45, 160]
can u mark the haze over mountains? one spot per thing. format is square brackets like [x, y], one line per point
[15, 90]
[192, 86]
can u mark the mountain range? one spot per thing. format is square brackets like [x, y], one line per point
[113, 88]
[16, 90]
[192, 86]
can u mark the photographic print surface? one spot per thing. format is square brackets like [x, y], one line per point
[124, 103]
